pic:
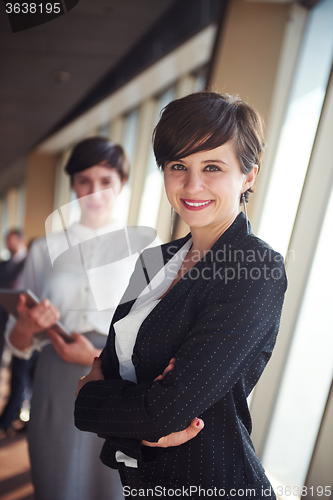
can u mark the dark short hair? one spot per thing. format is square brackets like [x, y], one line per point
[16, 232]
[204, 121]
[97, 151]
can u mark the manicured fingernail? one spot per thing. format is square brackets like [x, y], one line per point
[197, 422]
[96, 358]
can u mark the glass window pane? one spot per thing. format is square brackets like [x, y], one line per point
[151, 197]
[307, 376]
[299, 129]
[4, 228]
[103, 130]
[129, 144]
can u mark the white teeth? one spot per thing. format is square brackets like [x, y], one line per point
[197, 204]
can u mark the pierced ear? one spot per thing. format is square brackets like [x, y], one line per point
[250, 177]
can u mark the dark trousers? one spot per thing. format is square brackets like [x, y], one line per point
[22, 372]
[3, 322]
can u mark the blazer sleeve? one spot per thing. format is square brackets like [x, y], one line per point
[235, 325]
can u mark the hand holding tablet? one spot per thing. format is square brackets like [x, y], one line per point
[10, 300]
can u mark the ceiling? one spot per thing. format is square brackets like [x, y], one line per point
[46, 71]
[52, 73]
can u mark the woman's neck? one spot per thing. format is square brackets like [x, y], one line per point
[95, 223]
[204, 237]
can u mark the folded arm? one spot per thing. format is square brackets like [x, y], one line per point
[228, 337]
[173, 439]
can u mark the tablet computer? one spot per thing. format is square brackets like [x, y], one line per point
[9, 300]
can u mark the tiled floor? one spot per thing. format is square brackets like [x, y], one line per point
[15, 483]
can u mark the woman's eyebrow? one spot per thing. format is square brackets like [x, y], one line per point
[83, 176]
[215, 161]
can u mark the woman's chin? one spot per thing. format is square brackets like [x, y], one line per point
[195, 221]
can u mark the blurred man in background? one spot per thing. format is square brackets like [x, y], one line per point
[20, 369]
[10, 270]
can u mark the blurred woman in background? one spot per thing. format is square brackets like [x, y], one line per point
[63, 460]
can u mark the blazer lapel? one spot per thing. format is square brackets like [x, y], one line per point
[153, 260]
[148, 265]
[230, 239]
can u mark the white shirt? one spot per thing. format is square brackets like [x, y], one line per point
[20, 255]
[127, 328]
[84, 272]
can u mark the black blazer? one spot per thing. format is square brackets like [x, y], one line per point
[9, 272]
[220, 323]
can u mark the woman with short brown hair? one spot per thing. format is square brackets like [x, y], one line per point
[213, 308]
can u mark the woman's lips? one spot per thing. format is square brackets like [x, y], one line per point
[196, 204]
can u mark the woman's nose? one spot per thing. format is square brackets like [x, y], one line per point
[194, 182]
[95, 190]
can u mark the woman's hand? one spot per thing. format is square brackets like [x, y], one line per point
[32, 320]
[39, 317]
[80, 350]
[176, 438]
[95, 374]
[168, 369]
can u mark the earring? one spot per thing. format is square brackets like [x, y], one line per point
[245, 212]
[171, 220]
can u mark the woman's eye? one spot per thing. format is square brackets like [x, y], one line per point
[178, 166]
[212, 168]
[106, 182]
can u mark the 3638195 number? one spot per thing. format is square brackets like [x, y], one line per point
[33, 8]
[309, 491]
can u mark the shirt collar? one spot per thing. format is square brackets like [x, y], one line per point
[85, 233]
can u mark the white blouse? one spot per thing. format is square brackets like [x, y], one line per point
[84, 272]
[127, 328]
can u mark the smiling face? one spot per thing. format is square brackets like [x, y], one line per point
[205, 187]
[97, 189]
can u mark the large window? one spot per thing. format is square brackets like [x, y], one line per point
[307, 376]
[305, 214]
[151, 197]
[299, 128]
[130, 144]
